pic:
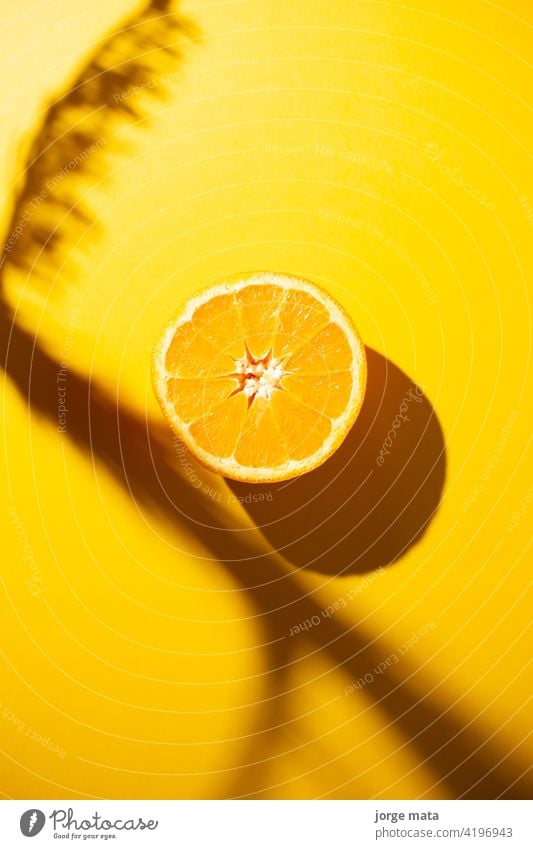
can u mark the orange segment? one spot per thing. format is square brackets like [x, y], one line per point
[256, 446]
[219, 319]
[328, 393]
[303, 428]
[217, 432]
[261, 376]
[327, 350]
[259, 309]
[192, 399]
[190, 354]
[301, 316]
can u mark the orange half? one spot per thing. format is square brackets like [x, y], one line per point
[261, 376]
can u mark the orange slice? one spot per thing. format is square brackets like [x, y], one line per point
[261, 376]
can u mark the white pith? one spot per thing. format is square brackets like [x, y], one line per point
[262, 382]
[259, 378]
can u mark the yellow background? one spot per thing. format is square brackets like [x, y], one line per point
[379, 149]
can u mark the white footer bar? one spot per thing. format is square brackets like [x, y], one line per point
[267, 824]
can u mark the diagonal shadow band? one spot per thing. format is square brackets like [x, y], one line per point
[372, 500]
[142, 461]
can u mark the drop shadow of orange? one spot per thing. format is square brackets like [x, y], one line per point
[373, 499]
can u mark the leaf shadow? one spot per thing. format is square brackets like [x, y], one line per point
[83, 126]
